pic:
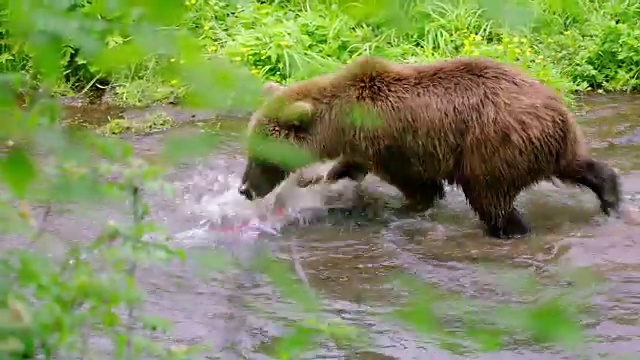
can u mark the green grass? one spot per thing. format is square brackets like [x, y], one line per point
[573, 45]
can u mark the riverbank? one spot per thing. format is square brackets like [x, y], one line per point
[576, 46]
[111, 119]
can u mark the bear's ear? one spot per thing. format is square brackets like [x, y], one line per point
[297, 113]
[271, 88]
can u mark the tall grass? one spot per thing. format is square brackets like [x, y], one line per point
[574, 45]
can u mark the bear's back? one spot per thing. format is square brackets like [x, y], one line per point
[448, 86]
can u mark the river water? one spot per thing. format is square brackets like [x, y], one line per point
[348, 257]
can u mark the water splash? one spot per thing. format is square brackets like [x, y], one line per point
[227, 216]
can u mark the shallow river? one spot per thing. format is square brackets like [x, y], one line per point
[348, 258]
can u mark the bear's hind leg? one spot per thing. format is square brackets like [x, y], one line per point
[513, 226]
[599, 178]
[497, 211]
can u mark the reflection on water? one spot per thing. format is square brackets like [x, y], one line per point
[611, 124]
[349, 257]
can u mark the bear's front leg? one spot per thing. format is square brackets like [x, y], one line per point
[420, 193]
[426, 195]
[347, 168]
[343, 168]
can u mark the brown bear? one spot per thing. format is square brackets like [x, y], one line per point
[483, 125]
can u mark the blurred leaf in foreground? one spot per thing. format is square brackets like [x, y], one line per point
[220, 85]
[390, 14]
[279, 152]
[294, 344]
[283, 280]
[164, 13]
[548, 321]
[18, 171]
[511, 14]
[363, 115]
[45, 54]
[178, 147]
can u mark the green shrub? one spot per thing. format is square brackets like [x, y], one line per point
[585, 45]
[574, 45]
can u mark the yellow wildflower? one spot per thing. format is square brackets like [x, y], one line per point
[476, 53]
[538, 61]
[172, 60]
[174, 82]
[478, 38]
[285, 43]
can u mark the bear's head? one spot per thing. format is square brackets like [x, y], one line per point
[280, 119]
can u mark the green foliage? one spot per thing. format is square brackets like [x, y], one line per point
[53, 303]
[211, 54]
[548, 317]
[575, 45]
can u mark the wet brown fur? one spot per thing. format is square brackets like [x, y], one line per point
[474, 122]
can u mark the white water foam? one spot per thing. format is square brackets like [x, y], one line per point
[228, 216]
